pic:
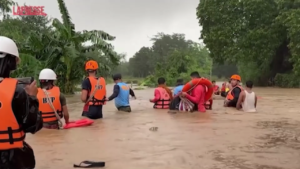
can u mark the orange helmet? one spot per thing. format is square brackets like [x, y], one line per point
[91, 65]
[236, 77]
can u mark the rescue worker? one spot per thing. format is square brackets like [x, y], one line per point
[247, 100]
[234, 93]
[121, 94]
[59, 103]
[93, 91]
[162, 95]
[19, 112]
[197, 95]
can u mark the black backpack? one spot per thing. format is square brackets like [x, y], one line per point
[174, 104]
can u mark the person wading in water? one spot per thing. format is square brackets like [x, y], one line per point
[51, 112]
[234, 93]
[121, 94]
[93, 91]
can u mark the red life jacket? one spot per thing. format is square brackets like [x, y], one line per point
[164, 100]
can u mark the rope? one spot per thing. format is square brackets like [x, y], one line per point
[186, 103]
[60, 124]
[94, 91]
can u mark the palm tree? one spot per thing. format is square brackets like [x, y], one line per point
[5, 7]
[71, 57]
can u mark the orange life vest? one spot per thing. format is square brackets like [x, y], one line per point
[164, 100]
[11, 134]
[100, 94]
[230, 95]
[48, 113]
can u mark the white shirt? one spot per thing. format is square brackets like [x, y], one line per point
[249, 102]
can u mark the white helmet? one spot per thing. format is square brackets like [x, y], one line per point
[47, 74]
[8, 46]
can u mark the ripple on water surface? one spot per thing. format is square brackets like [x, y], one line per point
[154, 139]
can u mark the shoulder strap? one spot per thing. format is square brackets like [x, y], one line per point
[94, 91]
[53, 108]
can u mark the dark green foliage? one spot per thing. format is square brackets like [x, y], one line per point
[262, 37]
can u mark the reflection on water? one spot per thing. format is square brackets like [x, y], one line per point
[220, 139]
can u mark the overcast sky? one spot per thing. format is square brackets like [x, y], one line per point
[133, 22]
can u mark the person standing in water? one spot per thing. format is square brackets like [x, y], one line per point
[224, 89]
[178, 87]
[51, 112]
[234, 93]
[197, 95]
[216, 88]
[19, 112]
[121, 94]
[247, 100]
[162, 95]
[93, 91]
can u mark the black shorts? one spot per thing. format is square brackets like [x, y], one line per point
[223, 94]
[94, 112]
[125, 108]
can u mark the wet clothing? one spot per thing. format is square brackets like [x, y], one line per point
[197, 96]
[248, 104]
[25, 109]
[162, 98]
[93, 111]
[174, 105]
[223, 94]
[125, 108]
[121, 94]
[177, 90]
[216, 90]
[235, 92]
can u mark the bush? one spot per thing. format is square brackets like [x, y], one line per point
[286, 80]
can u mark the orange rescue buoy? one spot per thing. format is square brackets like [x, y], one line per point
[200, 81]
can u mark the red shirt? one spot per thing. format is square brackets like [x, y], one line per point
[216, 88]
[197, 97]
[156, 96]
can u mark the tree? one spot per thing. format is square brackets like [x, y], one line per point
[260, 36]
[172, 57]
[49, 43]
[5, 7]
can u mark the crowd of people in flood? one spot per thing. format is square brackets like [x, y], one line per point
[28, 108]
[235, 95]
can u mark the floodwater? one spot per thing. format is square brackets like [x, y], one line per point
[223, 138]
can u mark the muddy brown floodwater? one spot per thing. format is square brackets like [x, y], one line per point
[223, 138]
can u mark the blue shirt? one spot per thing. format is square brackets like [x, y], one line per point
[122, 100]
[177, 89]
